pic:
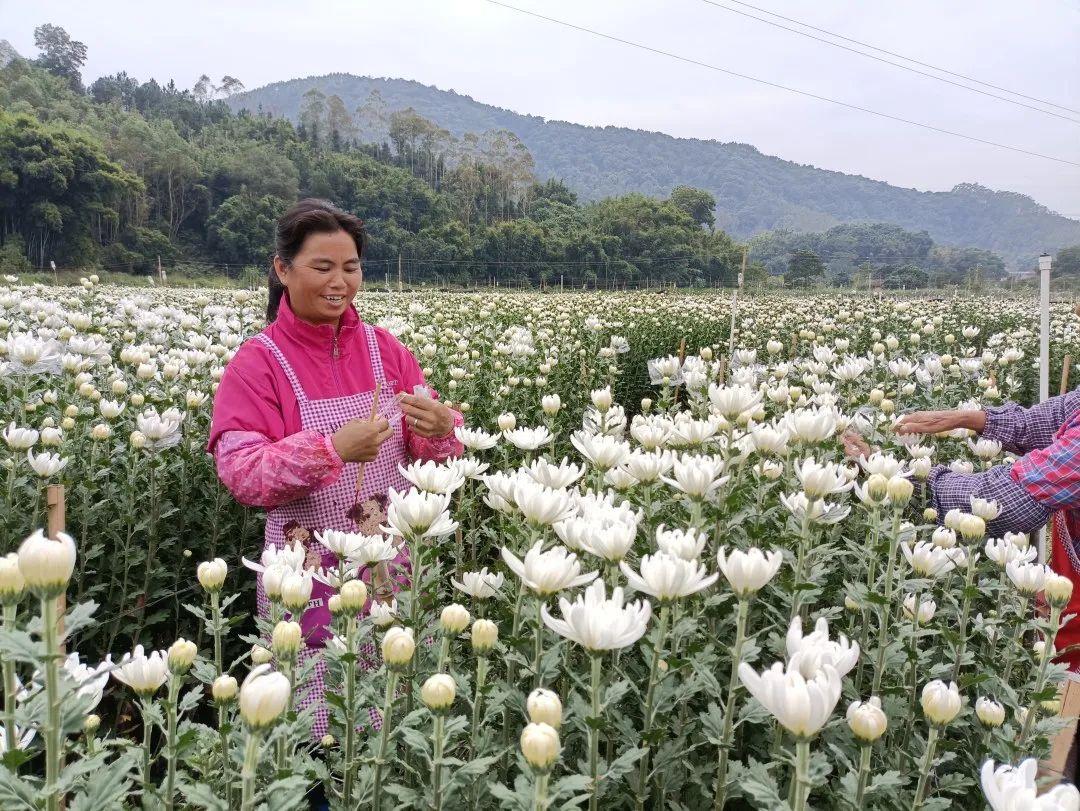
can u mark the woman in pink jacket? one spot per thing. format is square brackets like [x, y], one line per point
[291, 426]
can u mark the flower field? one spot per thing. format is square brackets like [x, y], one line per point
[653, 580]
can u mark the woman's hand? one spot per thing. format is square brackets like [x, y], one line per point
[426, 417]
[936, 422]
[854, 445]
[359, 440]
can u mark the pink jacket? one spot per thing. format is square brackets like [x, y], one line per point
[261, 454]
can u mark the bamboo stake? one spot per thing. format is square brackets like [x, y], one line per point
[1065, 374]
[371, 418]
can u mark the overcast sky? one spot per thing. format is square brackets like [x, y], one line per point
[508, 59]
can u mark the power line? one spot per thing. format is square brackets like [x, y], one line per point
[890, 62]
[905, 58]
[766, 82]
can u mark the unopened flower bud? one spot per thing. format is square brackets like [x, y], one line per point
[286, 639]
[454, 619]
[540, 746]
[900, 490]
[438, 692]
[224, 689]
[182, 655]
[398, 647]
[485, 634]
[353, 595]
[260, 655]
[544, 707]
[867, 720]
[91, 724]
[989, 712]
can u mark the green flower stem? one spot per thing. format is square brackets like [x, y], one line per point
[384, 738]
[439, 723]
[800, 562]
[148, 729]
[965, 614]
[802, 774]
[481, 677]
[247, 775]
[226, 759]
[538, 648]
[924, 770]
[444, 653]
[10, 684]
[1016, 642]
[650, 695]
[720, 793]
[350, 715]
[511, 675]
[215, 609]
[52, 699]
[282, 743]
[594, 733]
[1040, 678]
[171, 743]
[865, 751]
[540, 790]
[887, 606]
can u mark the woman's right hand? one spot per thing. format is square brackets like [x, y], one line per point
[359, 440]
[936, 422]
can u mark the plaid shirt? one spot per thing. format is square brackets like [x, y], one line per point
[1046, 478]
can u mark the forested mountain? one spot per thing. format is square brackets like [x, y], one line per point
[754, 192]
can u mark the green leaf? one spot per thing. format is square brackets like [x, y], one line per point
[201, 796]
[16, 793]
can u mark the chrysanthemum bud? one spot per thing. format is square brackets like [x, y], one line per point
[224, 689]
[182, 655]
[507, 422]
[438, 692]
[47, 564]
[940, 702]
[540, 746]
[263, 697]
[900, 490]
[485, 634]
[454, 619]
[877, 487]
[260, 655]
[211, 574]
[989, 712]
[327, 741]
[398, 647]
[867, 720]
[91, 723]
[544, 707]
[1058, 589]
[335, 605]
[353, 595]
[929, 514]
[286, 639]
[12, 582]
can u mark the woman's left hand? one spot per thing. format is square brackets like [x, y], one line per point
[426, 417]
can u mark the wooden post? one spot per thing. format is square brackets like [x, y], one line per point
[399, 288]
[1065, 374]
[55, 524]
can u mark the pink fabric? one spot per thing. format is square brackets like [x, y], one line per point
[262, 454]
[261, 473]
[282, 396]
[255, 393]
[335, 506]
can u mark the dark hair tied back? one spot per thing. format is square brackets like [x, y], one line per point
[310, 216]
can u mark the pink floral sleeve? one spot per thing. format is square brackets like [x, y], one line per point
[436, 449]
[263, 473]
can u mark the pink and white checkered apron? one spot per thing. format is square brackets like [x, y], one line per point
[329, 508]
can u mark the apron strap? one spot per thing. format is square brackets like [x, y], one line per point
[374, 355]
[286, 367]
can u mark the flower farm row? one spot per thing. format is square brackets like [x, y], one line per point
[653, 579]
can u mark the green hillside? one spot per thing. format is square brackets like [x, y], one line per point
[754, 192]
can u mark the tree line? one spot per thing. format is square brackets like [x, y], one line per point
[122, 174]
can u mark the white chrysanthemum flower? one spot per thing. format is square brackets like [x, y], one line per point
[547, 572]
[598, 623]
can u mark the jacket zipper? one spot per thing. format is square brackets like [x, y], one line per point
[334, 355]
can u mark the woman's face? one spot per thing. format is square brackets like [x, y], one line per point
[323, 278]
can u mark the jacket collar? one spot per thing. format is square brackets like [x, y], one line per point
[318, 336]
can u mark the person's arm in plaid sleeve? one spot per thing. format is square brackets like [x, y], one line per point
[1020, 429]
[1051, 476]
[1020, 511]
